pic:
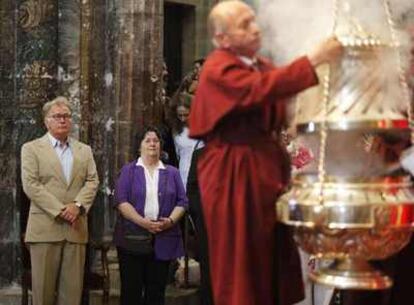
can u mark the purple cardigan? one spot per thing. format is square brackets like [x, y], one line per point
[168, 244]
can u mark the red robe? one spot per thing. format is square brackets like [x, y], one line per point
[241, 173]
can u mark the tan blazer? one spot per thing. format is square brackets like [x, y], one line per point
[45, 184]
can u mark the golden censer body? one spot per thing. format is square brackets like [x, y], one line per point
[354, 203]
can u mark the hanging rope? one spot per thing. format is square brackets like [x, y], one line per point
[323, 125]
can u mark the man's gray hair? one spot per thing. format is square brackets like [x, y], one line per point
[217, 24]
[60, 100]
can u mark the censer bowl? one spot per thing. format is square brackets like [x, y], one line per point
[353, 225]
[350, 250]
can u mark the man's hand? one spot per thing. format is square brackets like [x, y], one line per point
[327, 51]
[70, 212]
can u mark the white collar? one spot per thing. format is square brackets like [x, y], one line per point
[248, 60]
[160, 165]
[55, 141]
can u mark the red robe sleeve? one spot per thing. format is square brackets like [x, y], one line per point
[227, 85]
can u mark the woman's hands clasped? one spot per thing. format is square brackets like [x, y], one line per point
[157, 226]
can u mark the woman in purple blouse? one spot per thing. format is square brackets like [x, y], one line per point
[148, 195]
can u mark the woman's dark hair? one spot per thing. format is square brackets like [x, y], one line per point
[141, 136]
[179, 99]
[183, 97]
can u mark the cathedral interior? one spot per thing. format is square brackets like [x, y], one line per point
[119, 62]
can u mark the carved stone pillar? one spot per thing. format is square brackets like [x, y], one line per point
[102, 109]
[8, 209]
[28, 67]
[138, 71]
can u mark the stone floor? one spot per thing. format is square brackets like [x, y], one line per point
[174, 296]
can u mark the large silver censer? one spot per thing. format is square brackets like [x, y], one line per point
[354, 203]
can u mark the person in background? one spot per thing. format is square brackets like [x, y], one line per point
[195, 75]
[237, 110]
[186, 150]
[184, 146]
[168, 154]
[59, 176]
[149, 196]
[179, 110]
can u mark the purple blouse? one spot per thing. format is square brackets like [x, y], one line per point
[130, 187]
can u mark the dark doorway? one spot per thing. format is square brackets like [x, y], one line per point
[179, 29]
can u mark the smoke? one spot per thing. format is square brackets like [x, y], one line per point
[292, 27]
[402, 8]
[289, 28]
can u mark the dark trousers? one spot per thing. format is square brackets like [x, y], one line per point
[143, 279]
[196, 212]
[205, 285]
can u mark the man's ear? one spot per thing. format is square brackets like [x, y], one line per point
[46, 123]
[222, 40]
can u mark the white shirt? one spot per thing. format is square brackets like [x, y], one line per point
[251, 62]
[65, 155]
[184, 147]
[152, 206]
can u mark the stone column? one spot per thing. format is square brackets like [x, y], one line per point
[27, 78]
[9, 221]
[138, 72]
[102, 109]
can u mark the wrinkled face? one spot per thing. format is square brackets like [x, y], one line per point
[58, 121]
[183, 113]
[150, 145]
[243, 33]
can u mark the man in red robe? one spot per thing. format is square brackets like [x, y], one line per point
[237, 110]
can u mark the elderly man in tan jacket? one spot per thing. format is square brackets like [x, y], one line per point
[59, 176]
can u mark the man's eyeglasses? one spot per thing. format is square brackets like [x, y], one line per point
[59, 116]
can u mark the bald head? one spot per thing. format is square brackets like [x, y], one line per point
[222, 15]
[232, 25]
